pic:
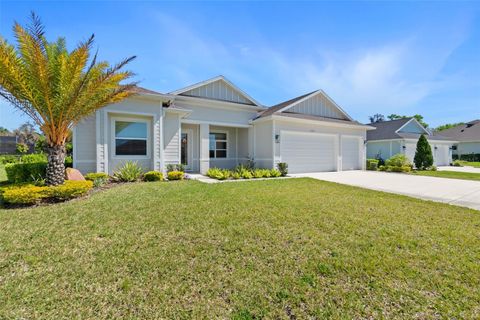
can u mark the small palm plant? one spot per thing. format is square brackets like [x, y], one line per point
[55, 87]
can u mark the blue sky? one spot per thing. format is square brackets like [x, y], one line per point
[370, 57]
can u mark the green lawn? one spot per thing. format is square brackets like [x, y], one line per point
[449, 174]
[240, 250]
[471, 164]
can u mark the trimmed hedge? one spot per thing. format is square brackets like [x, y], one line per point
[25, 172]
[27, 194]
[176, 175]
[153, 176]
[472, 157]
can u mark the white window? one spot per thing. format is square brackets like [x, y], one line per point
[131, 138]
[218, 144]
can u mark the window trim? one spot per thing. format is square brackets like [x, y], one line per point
[215, 150]
[114, 138]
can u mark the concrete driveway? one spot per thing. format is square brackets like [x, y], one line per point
[453, 191]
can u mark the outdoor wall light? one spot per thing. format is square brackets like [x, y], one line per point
[277, 138]
[404, 147]
[436, 147]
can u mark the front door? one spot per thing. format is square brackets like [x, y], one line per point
[186, 149]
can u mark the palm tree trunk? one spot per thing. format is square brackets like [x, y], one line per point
[56, 165]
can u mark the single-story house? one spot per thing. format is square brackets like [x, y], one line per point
[401, 136]
[215, 124]
[468, 137]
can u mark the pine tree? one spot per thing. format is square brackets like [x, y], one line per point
[423, 155]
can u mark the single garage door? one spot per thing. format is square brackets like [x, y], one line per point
[308, 152]
[441, 155]
[350, 153]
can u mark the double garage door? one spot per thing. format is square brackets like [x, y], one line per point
[314, 152]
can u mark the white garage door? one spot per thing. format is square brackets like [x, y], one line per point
[308, 152]
[350, 153]
[441, 155]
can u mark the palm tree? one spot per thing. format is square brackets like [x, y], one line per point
[55, 87]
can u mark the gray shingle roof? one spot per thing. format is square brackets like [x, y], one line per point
[282, 105]
[386, 130]
[469, 131]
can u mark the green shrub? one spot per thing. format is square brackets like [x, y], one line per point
[22, 148]
[398, 160]
[26, 194]
[25, 172]
[457, 163]
[472, 157]
[70, 189]
[33, 158]
[261, 173]
[98, 178]
[236, 175]
[215, 173]
[176, 175]
[372, 164]
[432, 168]
[283, 168]
[175, 167]
[9, 158]
[246, 174]
[129, 172]
[274, 173]
[423, 155]
[153, 176]
[68, 162]
[395, 168]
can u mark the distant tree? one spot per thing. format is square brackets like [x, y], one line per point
[376, 118]
[418, 117]
[26, 133]
[4, 131]
[22, 148]
[423, 155]
[448, 126]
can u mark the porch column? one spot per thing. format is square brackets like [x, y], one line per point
[204, 148]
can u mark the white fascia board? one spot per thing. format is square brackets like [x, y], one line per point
[208, 81]
[217, 103]
[309, 121]
[313, 94]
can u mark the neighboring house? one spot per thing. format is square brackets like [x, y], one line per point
[215, 124]
[401, 136]
[468, 137]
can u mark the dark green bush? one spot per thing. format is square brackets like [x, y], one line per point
[153, 176]
[283, 168]
[423, 155]
[25, 172]
[472, 157]
[33, 158]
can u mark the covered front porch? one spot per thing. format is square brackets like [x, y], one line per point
[206, 145]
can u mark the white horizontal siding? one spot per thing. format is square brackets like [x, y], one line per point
[84, 148]
[171, 138]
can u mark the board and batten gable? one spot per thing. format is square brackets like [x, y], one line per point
[318, 105]
[218, 90]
